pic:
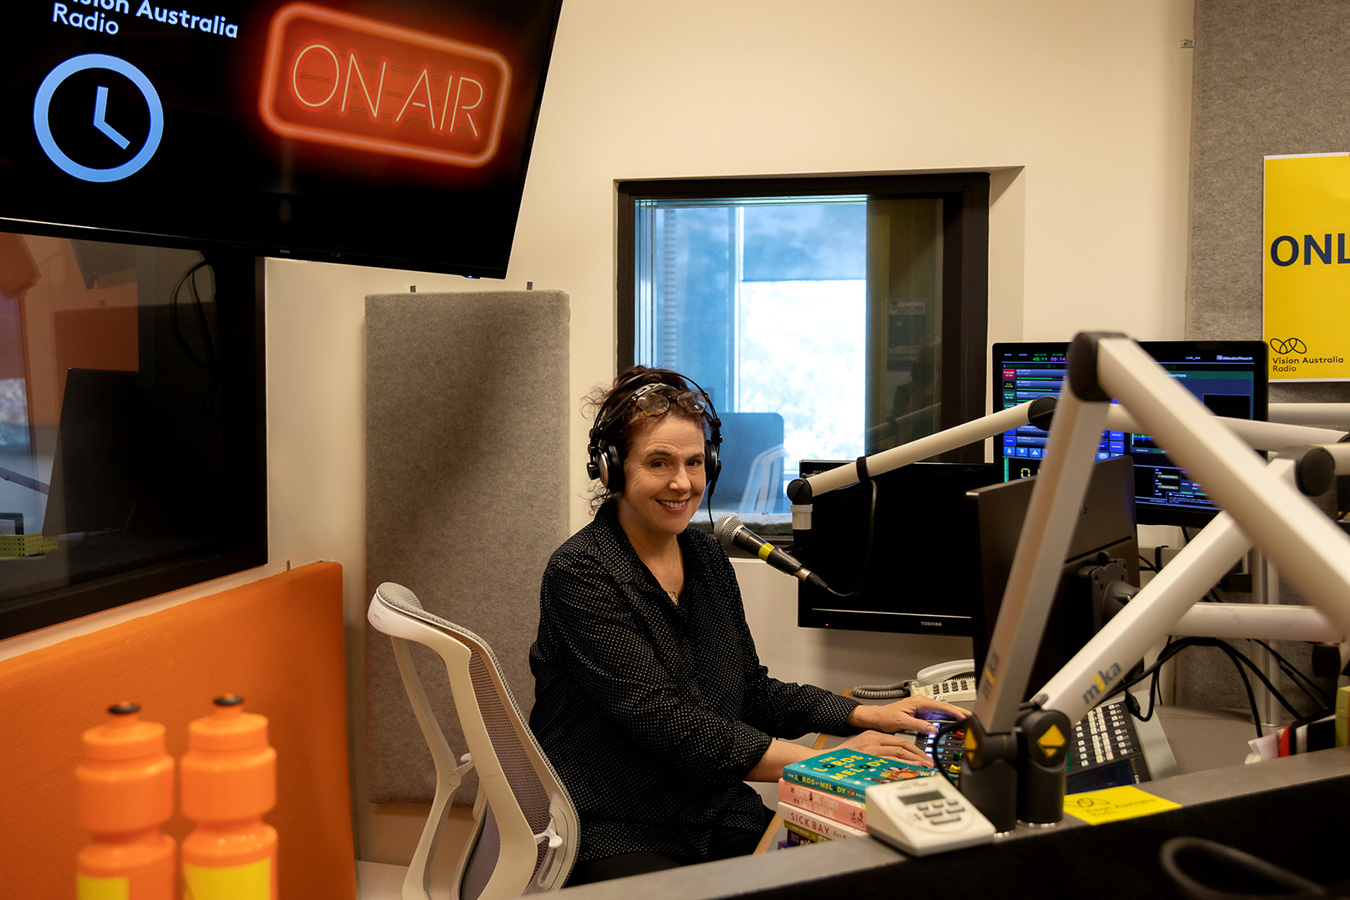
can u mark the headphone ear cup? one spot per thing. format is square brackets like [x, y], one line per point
[712, 463]
[610, 466]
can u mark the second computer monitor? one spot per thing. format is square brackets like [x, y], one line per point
[1229, 377]
[1103, 549]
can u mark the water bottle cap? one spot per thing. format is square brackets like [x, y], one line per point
[228, 728]
[124, 736]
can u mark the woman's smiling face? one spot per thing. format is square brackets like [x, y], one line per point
[664, 478]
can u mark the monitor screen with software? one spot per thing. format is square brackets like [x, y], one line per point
[1229, 377]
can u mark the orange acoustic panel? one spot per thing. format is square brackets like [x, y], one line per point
[278, 643]
[357, 83]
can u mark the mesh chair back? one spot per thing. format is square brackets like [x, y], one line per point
[528, 786]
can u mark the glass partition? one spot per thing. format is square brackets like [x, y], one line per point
[132, 455]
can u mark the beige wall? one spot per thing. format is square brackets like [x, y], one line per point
[1083, 107]
[1080, 109]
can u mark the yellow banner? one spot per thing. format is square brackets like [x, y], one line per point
[1307, 267]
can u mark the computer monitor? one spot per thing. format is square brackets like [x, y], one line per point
[913, 583]
[1229, 377]
[1103, 549]
[96, 473]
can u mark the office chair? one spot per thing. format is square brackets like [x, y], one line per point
[525, 829]
[763, 491]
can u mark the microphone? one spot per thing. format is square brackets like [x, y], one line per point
[730, 531]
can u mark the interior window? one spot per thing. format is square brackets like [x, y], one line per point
[132, 455]
[828, 318]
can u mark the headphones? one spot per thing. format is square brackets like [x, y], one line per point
[605, 462]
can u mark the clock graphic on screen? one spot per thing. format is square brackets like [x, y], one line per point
[74, 120]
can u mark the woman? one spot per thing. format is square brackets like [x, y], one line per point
[649, 697]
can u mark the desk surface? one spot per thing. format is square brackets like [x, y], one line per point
[1190, 740]
[1206, 738]
[850, 860]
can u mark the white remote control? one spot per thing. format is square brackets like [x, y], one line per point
[924, 815]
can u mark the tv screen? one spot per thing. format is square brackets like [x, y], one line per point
[1229, 377]
[378, 132]
[914, 581]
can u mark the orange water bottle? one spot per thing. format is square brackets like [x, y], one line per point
[124, 793]
[229, 781]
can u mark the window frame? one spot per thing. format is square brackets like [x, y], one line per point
[965, 263]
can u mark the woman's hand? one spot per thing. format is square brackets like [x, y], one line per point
[911, 714]
[881, 743]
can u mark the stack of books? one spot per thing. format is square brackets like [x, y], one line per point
[823, 798]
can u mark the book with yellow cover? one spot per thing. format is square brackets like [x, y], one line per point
[849, 773]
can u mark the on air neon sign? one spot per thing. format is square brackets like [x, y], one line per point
[340, 79]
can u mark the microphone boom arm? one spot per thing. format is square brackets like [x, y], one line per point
[1036, 412]
[1260, 504]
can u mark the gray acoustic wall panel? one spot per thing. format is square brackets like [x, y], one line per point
[466, 494]
[1268, 80]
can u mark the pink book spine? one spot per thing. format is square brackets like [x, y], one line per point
[825, 827]
[831, 806]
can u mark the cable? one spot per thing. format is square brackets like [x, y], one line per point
[1205, 869]
[1238, 659]
[1171, 649]
[896, 691]
[1299, 678]
[1247, 684]
[211, 362]
[866, 567]
[1154, 688]
[712, 487]
[1302, 681]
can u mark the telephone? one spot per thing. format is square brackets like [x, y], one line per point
[953, 681]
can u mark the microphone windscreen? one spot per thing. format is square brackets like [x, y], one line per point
[725, 530]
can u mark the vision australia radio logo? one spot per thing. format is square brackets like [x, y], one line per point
[1289, 354]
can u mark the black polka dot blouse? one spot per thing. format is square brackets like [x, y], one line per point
[654, 712]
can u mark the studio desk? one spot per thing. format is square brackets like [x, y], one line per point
[1290, 812]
